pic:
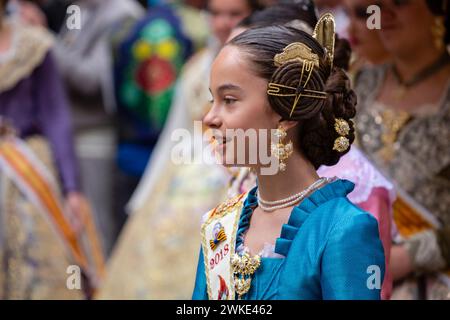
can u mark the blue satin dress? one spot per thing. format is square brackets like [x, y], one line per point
[331, 250]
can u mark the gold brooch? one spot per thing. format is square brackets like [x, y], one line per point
[243, 268]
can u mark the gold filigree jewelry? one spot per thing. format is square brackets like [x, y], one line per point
[341, 144]
[296, 51]
[280, 150]
[244, 267]
[342, 127]
[392, 122]
[300, 52]
[324, 33]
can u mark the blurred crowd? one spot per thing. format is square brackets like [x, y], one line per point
[91, 90]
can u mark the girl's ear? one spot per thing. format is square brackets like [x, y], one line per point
[287, 124]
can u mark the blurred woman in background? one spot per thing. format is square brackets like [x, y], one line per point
[403, 125]
[40, 193]
[366, 43]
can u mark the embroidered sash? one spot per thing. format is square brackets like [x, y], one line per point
[411, 218]
[34, 180]
[218, 243]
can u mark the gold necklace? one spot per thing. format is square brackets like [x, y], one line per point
[392, 122]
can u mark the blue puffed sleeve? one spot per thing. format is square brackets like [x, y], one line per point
[200, 292]
[352, 265]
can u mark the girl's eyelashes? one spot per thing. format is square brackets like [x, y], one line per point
[226, 100]
[229, 100]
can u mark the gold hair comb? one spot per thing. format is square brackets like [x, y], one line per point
[324, 33]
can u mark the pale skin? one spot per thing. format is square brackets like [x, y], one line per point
[406, 34]
[240, 102]
[74, 199]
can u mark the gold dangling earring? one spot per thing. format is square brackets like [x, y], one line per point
[280, 150]
[438, 32]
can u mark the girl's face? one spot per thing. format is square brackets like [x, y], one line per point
[239, 101]
[405, 25]
[365, 42]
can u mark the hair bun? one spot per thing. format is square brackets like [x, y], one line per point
[344, 99]
[318, 134]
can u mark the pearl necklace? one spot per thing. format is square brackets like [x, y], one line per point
[289, 201]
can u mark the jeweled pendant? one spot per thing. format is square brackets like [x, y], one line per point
[243, 268]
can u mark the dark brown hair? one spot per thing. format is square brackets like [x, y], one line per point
[316, 117]
[280, 14]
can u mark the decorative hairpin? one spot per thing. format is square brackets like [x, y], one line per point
[296, 51]
[342, 127]
[324, 33]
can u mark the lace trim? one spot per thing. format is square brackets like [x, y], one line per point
[355, 167]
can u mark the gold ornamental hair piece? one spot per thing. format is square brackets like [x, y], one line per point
[342, 127]
[296, 51]
[341, 144]
[324, 33]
